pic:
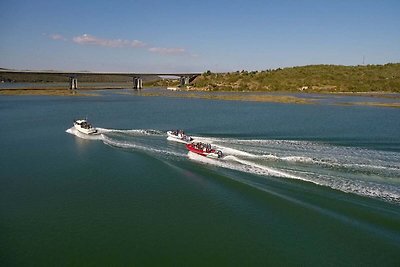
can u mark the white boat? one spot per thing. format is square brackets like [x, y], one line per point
[179, 136]
[84, 127]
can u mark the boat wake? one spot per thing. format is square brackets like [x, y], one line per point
[140, 147]
[354, 170]
[235, 163]
[134, 132]
[135, 140]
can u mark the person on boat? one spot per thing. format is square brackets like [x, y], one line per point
[198, 146]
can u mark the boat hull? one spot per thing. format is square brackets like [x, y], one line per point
[185, 140]
[214, 154]
[85, 130]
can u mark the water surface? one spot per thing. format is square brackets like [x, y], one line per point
[299, 184]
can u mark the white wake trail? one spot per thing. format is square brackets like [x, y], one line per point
[355, 170]
[136, 146]
[234, 163]
[134, 132]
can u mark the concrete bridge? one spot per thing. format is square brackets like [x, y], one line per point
[137, 78]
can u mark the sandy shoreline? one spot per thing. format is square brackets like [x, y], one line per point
[235, 97]
[283, 97]
[53, 91]
[42, 92]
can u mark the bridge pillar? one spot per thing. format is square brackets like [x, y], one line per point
[137, 83]
[73, 83]
[134, 80]
[184, 80]
[140, 83]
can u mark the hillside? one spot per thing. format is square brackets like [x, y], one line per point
[313, 78]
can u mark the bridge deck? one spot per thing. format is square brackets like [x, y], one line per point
[87, 73]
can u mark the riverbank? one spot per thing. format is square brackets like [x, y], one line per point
[355, 99]
[46, 92]
[59, 89]
[233, 96]
[374, 99]
[312, 78]
[373, 104]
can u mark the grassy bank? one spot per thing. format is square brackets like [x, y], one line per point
[45, 92]
[313, 78]
[233, 97]
[226, 96]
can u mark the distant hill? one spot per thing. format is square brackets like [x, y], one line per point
[313, 78]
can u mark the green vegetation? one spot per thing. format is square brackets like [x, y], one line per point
[313, 78]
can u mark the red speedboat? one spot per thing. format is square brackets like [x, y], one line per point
[204, 150]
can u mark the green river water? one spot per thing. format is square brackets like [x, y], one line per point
[299, 185]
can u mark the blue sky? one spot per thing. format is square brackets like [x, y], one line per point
[191, 36]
